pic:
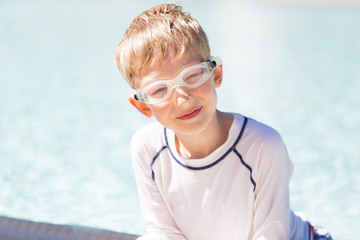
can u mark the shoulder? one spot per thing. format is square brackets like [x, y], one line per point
[261, 134]
[148, 137]
[265, 146]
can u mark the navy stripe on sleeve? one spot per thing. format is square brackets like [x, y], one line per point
[154, 159]
[248, 167]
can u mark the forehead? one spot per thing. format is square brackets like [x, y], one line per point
[168, 69]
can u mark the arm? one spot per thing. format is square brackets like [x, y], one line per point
[159, 223]
[271, 209]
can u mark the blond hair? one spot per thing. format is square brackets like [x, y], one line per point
[157, 33]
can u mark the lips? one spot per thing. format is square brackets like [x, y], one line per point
[189, 114]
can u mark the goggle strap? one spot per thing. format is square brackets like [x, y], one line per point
[133, 93]
[212, 63]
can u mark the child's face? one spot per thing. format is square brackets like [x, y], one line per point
[186, 111]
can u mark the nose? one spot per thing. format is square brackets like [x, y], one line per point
[181, 95]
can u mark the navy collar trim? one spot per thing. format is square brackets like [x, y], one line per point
[213, 163]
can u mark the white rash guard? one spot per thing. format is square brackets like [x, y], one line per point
[240, 191]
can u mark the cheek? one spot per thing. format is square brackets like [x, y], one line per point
[160, 110]
[207, 90]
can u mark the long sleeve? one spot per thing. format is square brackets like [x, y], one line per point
[158, 221]
[271, 208]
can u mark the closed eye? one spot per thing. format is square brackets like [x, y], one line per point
[193, 78]
[160, 92]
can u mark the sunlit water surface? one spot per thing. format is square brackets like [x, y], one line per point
[65, 123]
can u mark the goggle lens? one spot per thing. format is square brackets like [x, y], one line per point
[158, 91]
[194, 76]
[189, 79]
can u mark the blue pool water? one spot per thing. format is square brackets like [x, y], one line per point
[65, 123]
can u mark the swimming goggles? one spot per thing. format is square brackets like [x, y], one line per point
[191, 77]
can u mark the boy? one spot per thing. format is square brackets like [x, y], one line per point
[202, 174]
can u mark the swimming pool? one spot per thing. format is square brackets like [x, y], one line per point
[65, 123]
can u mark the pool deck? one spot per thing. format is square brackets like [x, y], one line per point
[313, 2]
[18, 229]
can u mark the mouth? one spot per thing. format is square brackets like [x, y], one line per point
[190, 114]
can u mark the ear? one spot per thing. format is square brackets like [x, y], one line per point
[218, 76]
[142, 107]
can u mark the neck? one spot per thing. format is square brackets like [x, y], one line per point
[203, 144]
